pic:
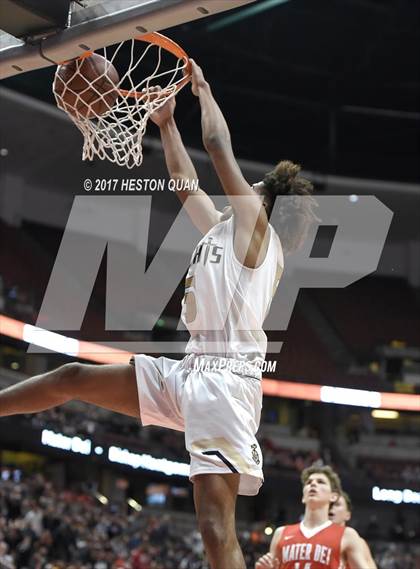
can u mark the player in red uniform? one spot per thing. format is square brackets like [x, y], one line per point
[316, 543]
[340, 513]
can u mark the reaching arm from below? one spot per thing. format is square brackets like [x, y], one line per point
[199, 206]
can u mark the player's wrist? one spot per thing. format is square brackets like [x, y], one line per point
[203, 88]
[168, 123]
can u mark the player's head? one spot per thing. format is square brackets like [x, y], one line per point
[340, 511]
[296, 215]
[321, 486]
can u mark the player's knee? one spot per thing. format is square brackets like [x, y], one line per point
[68, 377]
[214, 535]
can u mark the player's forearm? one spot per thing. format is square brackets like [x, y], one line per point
[178, 162]
[215, 130]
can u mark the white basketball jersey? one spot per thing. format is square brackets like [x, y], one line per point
[225, 303]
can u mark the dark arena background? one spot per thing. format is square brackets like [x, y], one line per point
[334, 86]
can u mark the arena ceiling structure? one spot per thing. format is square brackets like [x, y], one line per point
[334, 85]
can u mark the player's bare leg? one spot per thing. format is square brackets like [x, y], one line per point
[215, 500]
[113, 387]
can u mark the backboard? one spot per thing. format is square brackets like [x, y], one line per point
[94, 24]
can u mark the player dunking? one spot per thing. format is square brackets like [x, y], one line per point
[316, 543]
[231, 280]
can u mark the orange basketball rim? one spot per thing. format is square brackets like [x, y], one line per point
[155, 38]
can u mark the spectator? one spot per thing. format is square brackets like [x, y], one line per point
[63, 530]
[6, 560]
[34, 518]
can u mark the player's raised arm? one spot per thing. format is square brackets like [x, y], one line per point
[199, 206]
[250, 217]
[355, 551]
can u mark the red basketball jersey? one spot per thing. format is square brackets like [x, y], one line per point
[321, 551]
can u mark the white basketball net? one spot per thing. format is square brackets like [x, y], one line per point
[117, 134]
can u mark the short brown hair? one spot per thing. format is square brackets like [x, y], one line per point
[332, 476]
[347, 500]
[297, 215]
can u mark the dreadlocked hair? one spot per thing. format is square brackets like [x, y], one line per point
[296, 212]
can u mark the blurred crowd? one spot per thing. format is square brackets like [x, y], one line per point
[93, 422]
[99, 425]
[17, 302]
[396, 471]
[152, 439]
[287, 459]
[43, 528]
[396, 556]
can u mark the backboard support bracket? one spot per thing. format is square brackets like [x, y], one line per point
[95, 27]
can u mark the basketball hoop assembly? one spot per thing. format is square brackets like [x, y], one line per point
[109, 95]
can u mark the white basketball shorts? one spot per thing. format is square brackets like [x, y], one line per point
[218, 410]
